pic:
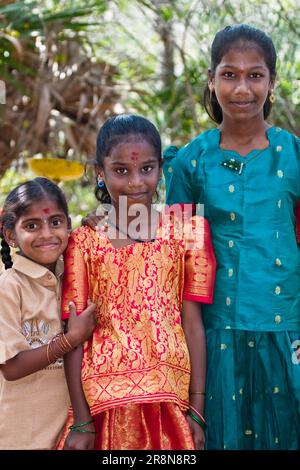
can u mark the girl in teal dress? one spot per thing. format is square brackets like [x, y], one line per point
[246, 173]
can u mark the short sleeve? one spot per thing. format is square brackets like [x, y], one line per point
[75, 281]
[183, 175]
[200, 263]
[12, 340]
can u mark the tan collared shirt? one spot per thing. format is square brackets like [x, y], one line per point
[33, 409]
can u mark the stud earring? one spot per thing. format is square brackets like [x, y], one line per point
[272, 97]
[100, 182]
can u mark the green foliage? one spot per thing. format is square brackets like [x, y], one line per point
[175, 105]
[161, 49]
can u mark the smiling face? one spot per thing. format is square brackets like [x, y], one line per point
[242, 82]
[41, 233]
[132, 169]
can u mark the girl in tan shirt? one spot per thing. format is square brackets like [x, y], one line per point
[33, 392]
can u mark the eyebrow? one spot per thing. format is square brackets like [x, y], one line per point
[37, 219]
[152, 160]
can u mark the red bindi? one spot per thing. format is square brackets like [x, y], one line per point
[134, 156]
[46, 211]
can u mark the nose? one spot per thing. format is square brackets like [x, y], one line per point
[242, 86]
[135, 180]
[46, 230]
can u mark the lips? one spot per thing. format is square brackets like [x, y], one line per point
[242, 104]
[47, 246]
[136, 195]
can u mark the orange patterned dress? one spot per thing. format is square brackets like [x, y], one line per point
[136, 366]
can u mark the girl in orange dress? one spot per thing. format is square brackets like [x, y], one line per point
[138, 383]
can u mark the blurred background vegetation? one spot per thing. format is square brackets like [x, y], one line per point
[67, 65]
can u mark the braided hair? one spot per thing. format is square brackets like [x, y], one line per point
[19, 200]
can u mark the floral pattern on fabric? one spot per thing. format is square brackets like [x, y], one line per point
[138, 351]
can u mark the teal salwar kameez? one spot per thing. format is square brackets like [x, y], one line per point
[253, 326]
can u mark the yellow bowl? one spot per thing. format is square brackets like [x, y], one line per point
[57, 169]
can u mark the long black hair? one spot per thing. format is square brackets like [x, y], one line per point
[120, 129]
[227, 39]
[19, 200]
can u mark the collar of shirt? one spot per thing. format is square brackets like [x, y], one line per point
[37, 271]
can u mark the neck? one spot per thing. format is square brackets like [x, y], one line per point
[140, 227]
[243, 133]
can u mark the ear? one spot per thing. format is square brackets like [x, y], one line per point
[69, 224]
[272, 83]
[210, 80]
[10, 237]
[99, 171]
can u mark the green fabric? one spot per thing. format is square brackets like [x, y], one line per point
[253, 390]
[262, 233]
[257, 290]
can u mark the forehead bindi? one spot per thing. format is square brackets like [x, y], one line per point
[249, 55]
[132, 152]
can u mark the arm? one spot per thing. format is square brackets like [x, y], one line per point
[183, 178]
[199, 278]
[75, 284]
[81, 411]
[195, 338]
[30, 361]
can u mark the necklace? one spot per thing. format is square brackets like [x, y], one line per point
[138, 240]
[237, 166]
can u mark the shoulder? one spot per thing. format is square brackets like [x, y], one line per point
[196, 147]
[82, 235]
[10, 281]
[86, 241]
[282, 137]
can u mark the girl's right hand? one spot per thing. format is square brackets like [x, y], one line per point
[80, 327]
[92, 220]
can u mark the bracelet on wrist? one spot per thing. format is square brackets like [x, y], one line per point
[197, 413]
[197, 419]
[57, 347]
[83, 431]
[80, 425]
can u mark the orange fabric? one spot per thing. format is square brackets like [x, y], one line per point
[138, 352]
[155, 426]
[200, 263]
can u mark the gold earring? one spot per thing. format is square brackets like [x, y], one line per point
[272, 97]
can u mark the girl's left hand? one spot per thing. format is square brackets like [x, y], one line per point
[197, 433]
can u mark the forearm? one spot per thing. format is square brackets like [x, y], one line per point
[80, 406]
[32, 360]
[195, 338]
